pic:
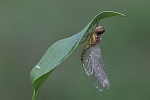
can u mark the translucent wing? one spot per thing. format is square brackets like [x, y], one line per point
[95, 68]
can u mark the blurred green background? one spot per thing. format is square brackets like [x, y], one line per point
[29, 27]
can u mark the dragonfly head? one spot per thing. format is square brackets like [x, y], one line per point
[99, 30]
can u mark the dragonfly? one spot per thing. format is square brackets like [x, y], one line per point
[92, 60]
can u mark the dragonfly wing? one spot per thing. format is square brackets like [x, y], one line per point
[86, 63]
[95, 68]
[99, 76]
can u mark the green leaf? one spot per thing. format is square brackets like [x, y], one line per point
[59, 51]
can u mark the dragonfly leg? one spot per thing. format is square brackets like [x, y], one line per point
[92, 27]
[97, 24]
[86, 37]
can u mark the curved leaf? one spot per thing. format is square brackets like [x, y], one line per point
[59, 51]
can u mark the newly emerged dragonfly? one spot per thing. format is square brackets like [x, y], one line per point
[92, 60]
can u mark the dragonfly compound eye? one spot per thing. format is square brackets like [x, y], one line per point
[99, 30]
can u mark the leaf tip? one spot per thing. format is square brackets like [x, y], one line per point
[117, 13]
